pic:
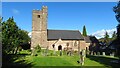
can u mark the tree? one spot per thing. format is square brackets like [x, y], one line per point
[12, 36]
[106, 38]
[84, 31]
[0, 30]
[9, 35]
[114, 35]
[23, 36]
[116, 9]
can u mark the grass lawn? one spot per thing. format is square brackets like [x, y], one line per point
[60, 61]
[64, 60]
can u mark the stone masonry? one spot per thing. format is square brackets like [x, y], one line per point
[39, 27]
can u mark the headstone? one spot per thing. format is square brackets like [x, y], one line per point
[70, 53]
[103, 53]
[60, 52]
[82, 57]
[112, 54]
[98, 53]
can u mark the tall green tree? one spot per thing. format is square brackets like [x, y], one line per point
[106, 37]
[114, 35]
[84, 31]
[12, 36]
[9, 35]
[116, 9]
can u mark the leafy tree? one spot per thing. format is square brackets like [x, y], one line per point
[84, 31]
[23, 35]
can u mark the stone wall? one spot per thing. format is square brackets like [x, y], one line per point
[87, 45]
[82, 44]
[72, 44]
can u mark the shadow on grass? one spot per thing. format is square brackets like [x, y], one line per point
[104, 60]
[11, 61]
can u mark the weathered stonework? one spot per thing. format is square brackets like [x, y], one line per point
[39, 27]
[72, 44]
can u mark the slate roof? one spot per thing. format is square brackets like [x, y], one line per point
[91, 39]
[94, 39]
[87, 39]
[64, 35]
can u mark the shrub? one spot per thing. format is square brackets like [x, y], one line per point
[29, 50]
[38, 48]
[75, 51]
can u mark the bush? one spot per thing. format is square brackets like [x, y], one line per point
[38, 48]
[75, 51]
[29, 50]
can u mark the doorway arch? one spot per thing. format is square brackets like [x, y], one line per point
[59, 47]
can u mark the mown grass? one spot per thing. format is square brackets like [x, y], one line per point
[65, 60]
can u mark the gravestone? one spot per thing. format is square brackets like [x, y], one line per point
[112, 54]
[60, 52]
[103, 53]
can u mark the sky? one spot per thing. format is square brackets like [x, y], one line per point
[98, 17]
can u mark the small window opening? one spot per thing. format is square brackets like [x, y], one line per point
[38, 16]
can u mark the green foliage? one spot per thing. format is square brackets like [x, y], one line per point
[38, 48]
[106, 38]
[114, 35]
[23, 36]
[116, 9]
[10, 39]
[84, 31]
[29, 50]
[12, 36]
[118, 31]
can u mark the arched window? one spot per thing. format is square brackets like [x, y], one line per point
[53, 45]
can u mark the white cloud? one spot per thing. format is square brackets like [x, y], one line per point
[30, 34]
[15, 11]
[101, 33]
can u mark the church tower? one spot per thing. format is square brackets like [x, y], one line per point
[39, 27]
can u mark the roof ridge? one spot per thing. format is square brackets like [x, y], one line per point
[62, 30]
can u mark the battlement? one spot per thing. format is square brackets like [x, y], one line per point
[44, 7]
[38, 10]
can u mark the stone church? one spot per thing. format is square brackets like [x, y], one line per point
[57, 39]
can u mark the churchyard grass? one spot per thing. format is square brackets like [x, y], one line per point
[65, 60]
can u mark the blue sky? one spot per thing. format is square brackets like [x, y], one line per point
[96, 16]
